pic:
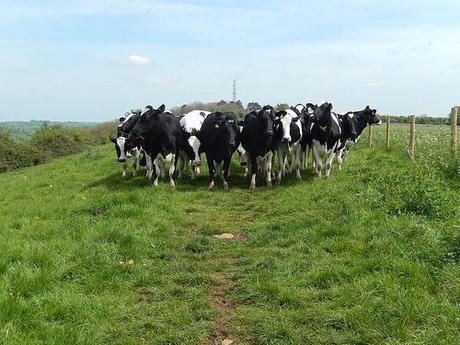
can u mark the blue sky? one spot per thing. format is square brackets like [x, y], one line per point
[93, 60]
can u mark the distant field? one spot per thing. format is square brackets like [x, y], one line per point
[368, 256]
[23, 130]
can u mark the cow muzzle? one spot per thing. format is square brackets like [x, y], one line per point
[196, 163]
[121, 160]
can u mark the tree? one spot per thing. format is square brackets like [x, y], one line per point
[281, 106]
[253, 106]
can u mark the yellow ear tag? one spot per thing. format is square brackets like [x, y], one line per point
[216, 125]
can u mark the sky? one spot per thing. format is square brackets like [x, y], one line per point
[92, 60]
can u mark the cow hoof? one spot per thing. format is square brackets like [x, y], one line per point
[155, 183]
[252, 188]
[123, 174]
[172, 184]
[134, 173]
[225, 185]
[269, 184]
[211, 185]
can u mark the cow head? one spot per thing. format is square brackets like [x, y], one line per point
[144, 124]
[310, 108]
[349, 126]
[372, 117]
[285, 125]
[267, 116]
[225, 125]
[127, 122]
[322, 114]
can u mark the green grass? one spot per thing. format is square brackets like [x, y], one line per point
[369, 256]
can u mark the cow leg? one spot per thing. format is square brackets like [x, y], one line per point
[339, 155]
[156, 163]
[180, 165]
[329, 159]
[318, 164]
[345, 154]
[192, 169]
[268, 168]
[226, 171]
[253, 172]
[172, 169]
[212, 171]
[148, 165]
[160, 166]
[281, 165]
[248, 166]
[298, 161]
[136, 160]
[305, 157]
[125, 167]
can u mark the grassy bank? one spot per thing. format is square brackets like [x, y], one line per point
[370, 255]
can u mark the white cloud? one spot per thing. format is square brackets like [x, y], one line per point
[139, 60]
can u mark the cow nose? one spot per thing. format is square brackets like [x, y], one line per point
[268, 133]
[121, 160]
[243, 164]
[197, 163]
[285, 140]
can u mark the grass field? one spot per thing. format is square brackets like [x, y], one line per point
[368, 256]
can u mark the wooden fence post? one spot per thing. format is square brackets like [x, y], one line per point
[387, 141]
[370, 136]
[412, 138]
[453, 132]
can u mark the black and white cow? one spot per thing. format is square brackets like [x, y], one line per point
[306, 143]
[257, 138]
[159, 134]
[220, 137]
[361, 119]
[288, 137]
[326, 132]
[124, 151]
[243, 156]
[349, 134]
[191, 124]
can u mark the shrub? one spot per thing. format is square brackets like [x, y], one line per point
[57, 141]
[100, 133]
[16, 155]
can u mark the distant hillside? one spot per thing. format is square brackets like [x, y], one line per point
[22, 130]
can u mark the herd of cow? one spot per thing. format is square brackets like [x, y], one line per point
[268, 142]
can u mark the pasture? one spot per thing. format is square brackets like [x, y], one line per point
[368, 256]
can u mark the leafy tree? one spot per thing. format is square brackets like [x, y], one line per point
[281, 106]
[253, 106]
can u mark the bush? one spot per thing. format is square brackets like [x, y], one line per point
[58, 141]
[19, 154]
[101, 133]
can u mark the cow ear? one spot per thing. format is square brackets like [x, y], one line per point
[374, 111]
[296, 119]
[241, 123]
[113, 139]
[368, 108]
[161, 108]
[147, 110]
